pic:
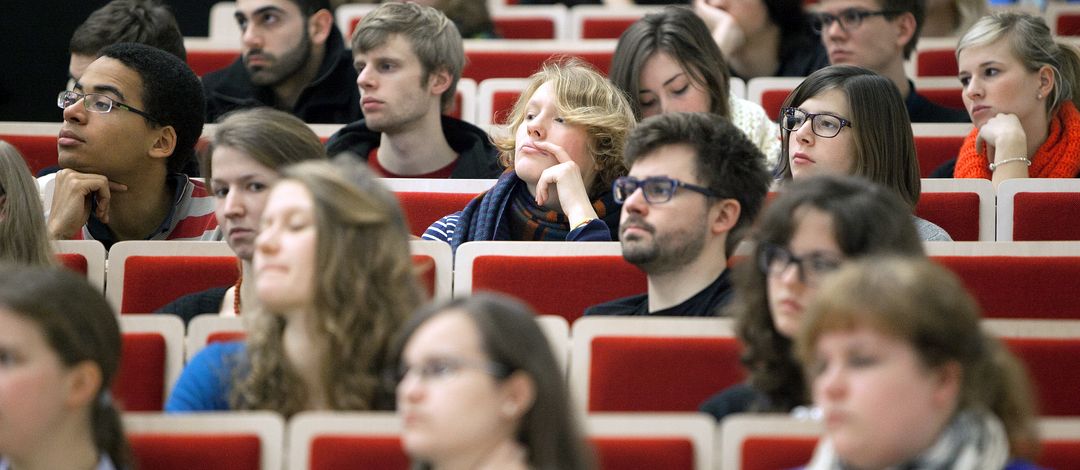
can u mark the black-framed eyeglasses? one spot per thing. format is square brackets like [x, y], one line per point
[656, 189]
[444, 367]
[850, 19]
[97, 103]
[823, 125]
[775, 260]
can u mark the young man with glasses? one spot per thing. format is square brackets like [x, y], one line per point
[880, 35]
[131, 123]
[695, 184]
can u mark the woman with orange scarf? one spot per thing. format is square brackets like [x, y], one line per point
[1020, 88]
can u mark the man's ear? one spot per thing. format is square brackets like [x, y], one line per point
[165, 143]
[907, 25]
[439, 81]
[319, 25]
[724, 214]
[83, 384]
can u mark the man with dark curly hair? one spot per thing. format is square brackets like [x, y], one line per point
[131, 123]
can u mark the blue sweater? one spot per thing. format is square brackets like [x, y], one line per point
[205, 383]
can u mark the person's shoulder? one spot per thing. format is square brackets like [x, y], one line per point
[190, 305]
[625, 306]
[737, 398]
[929, 231]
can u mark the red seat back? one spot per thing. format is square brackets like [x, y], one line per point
[484, 64]
[1041, 216]
[330, 452]
[1054, 367]
[936, 63]
[956, 212]
[932, 151]
[660, 373]
[203, 62]
[150, 282]
[524, 28]
[424, 208]
[74, 262]
[502, 104]
[630, 453]
[39, 151]
[534, 279]
[1020, 286]
[140, 382]
[1068, 24]
[947, 97]
[772, 101]
[1059, 453]
[772, 452]
[231, 451]
[605, 28]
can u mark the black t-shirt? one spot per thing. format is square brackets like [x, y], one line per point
[705, 303]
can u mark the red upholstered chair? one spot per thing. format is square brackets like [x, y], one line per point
[508, 58]
[1063, 18]
[603, 22]
[1019, 280]
[495, 98]
[210, 441]
[671, 441]
[151, 358]
[145, 275]
[935, 57]
[532, 22]
[1060, 438]
[330, 441]
[963, 207]
[426, 200]
[211, 328]
[555, 278]
[1051, 351]
[210, 58]
[36, 141]
[770, 92]
[1031, 209]
[944, 91]
[86, 257]
[761, 441]
[937, 143]
[651, 364]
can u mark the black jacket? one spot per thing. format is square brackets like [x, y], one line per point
[477, 157]
[332, 98]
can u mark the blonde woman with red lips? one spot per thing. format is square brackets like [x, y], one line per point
[1020, 88]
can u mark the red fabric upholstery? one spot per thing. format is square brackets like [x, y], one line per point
[1020, 287]
[562, 286]
[39, 151]
[947, 97]
[1046, 216]
[367, 452]
[74, 262]
[225, 336]
[1068, 24]
[502, 104]
[140, 382]
[482, 65]
[1054, 366]
[204, 62]
[605, 28]
[524, 28]
[631, 453]
[150, 282]
[424, 208]
[936, 63]
[424, 266]
[1059, 453]
[660, 373]
[204, 451]
[932, 151]
[770, 453]
[772, 100]
[957, 213]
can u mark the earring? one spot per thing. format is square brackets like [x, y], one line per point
[1038, 96]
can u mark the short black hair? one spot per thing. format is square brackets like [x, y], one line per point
[310, 7]
[147, 22]
[171, 93]
[727, 162]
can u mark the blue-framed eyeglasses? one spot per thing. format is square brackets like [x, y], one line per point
[656, 189]
[97, 103]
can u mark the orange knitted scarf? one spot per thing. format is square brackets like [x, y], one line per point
[1058, 157]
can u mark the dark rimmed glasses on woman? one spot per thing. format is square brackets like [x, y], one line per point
[823, 125]
[774, 260]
